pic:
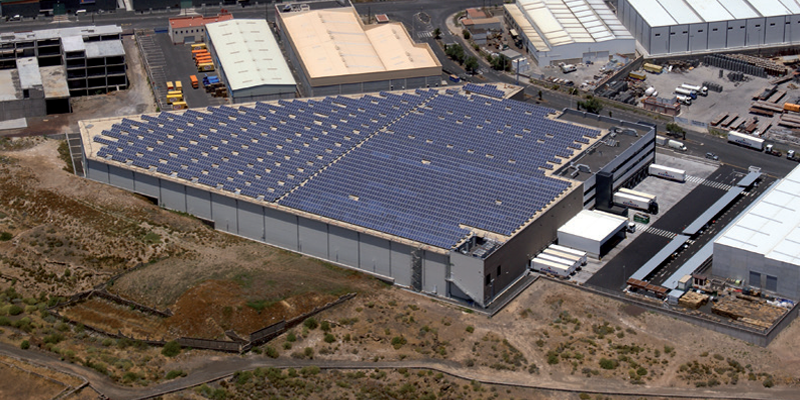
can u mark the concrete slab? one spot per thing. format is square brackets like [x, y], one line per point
[13, 124]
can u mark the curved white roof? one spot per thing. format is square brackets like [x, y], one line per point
[249, 53]
[771, 227]
[561, 22]
[678, 12]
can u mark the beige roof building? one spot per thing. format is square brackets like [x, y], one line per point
[333, 47]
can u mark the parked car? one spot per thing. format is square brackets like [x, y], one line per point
[712, 156]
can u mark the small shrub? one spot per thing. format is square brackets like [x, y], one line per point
[287, 345]
[470, 329]
[171, 349]
[15, 310]
[308, 352]
[398, 342]
[584, 396]
[4, 321]
[309, 370]
[329, 338]
[271, 352]
[25, 345]
[608, 364]
[325, 326]
[310, 323]
[175, 373]
[669, 349]
[768, 383]
[5, 236]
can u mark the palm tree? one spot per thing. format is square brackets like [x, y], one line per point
[437, 33]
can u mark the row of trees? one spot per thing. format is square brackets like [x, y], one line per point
[456, 52]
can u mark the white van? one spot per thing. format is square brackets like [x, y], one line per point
[80, 13]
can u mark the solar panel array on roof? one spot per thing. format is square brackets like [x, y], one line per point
[411, 165]
[486, 90]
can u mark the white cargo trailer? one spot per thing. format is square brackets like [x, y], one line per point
[571, 257]
[631, 201]
[746, 140]
[549, 267]
[636, 193]
[549, 257]
[665, 172]
[661, 140]
[570, 250]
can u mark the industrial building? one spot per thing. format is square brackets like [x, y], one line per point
[439, 190]
[335, 53]
[594, 232]
[42, 69]
[683, 26]
[192, 29]
[36, 8]
[568, 31]
[761, 248]
[252, 65]
[31, 91]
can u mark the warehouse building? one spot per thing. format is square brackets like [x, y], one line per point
[192, 29]
[682, 26]
[335, 53]
[252, 65]
[762, 246]
[568, 31]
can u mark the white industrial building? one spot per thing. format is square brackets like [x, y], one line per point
[762, 247]
[592, 231]
[252, 65]
[682, 26]
[575, 30]
[335, 53]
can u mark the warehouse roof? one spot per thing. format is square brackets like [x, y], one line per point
[677, 12]
[563, 22]
[429, 166]
[249, 54]
[593, 225]
[771, 226]
[334, 42]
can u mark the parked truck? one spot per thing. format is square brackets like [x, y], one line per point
[637, 193]
[549, 267]
[652, 68]
[685, 100]
[686, 92]
[770, 149]
[701, 90]
[746, 140]
[665, 172]
[661, 140]
[792, 155]
[631, 201]
[677, 145]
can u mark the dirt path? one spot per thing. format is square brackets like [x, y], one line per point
[224, 366]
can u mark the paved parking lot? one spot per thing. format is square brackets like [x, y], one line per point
[169, 62]
[638, 247]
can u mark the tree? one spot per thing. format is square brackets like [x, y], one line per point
[501, 63]
[466, 34]
[471, 64]
[591, 105]
[540, 95]
[456, 52]
[675, 129]
[437, 33]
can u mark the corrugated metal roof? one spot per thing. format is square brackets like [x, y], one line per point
[771, 227]
[690, 265]
[660, 257]
[677, 12]
[526, 27]
[249, 54]
[561, 22]
[712, 211]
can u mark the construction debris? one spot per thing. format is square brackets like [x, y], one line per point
[748, 309]
[693, 300]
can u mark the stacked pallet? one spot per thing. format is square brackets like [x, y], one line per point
[729, 120]
[719, 118]
[776, 97]
[789, 121]
[767, 106]
[752, 310]
[693, 300]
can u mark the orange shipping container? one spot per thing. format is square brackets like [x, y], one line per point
[194, 81]
[791, 107]
[203, 61]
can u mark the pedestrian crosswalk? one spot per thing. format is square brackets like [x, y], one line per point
[424, 34]
[706, 182]
[661, 232]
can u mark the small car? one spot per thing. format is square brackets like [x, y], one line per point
[712, 156]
